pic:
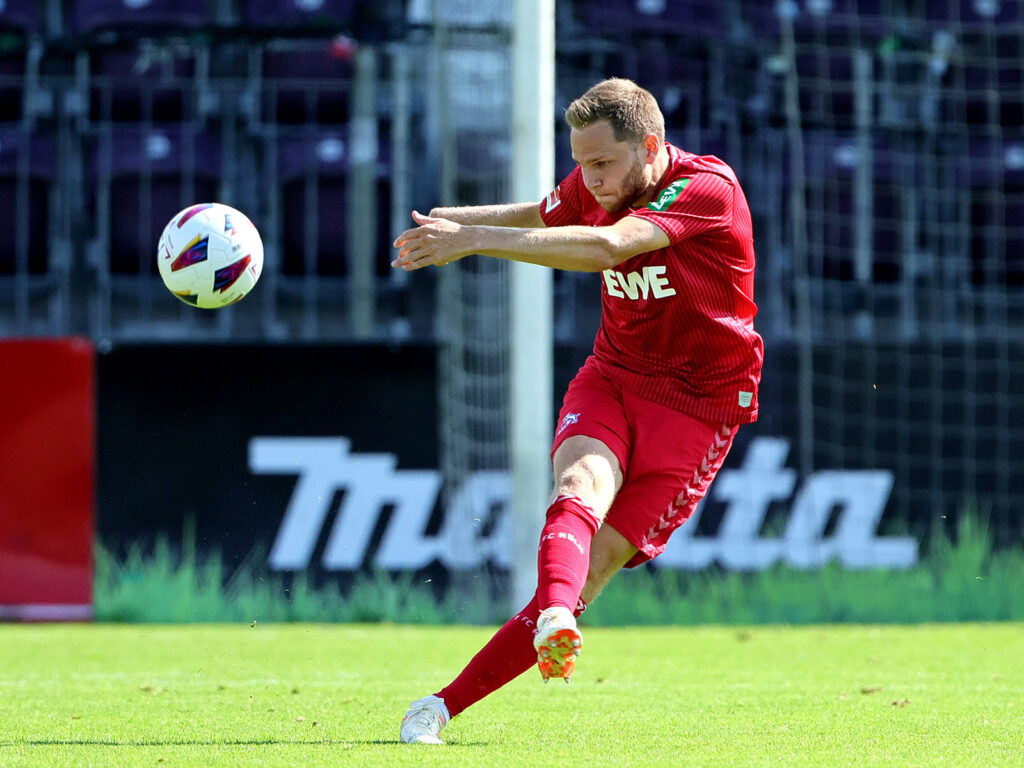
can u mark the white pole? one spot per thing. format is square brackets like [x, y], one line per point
[533, 167]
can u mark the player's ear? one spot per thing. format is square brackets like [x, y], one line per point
[651, 147]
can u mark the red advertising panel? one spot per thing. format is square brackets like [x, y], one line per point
[47, 478]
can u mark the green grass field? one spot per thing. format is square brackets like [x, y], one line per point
[332, 695]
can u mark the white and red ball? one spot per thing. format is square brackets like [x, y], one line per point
[210, 255]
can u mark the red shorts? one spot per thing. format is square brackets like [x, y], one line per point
[668, 459]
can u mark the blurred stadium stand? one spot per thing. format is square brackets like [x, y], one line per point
[880, 143]
[137, 173]
[906, 114]
[96, 17]
[34, 259]
[288, 16]
[22, 17]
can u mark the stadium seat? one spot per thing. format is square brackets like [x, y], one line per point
[1010, 79]
[303, 82]
[310, 176]
[825, 22]
[973, 14]
[25, 199]
[842, 21]
[680, 80]
[140, 178]
[831, 162]
[636, 18]
[992, 161]
[826, 86]
[366, 21]
[21, 16]
[12, 84]
[994, 173]
[21, 43]
[984, 92]
[143, 83]
[313, 168]
[161, 17]
[1013, 220]
[289, 16]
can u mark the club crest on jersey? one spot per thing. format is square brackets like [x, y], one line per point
[553, 200]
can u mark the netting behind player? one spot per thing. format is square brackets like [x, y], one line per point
[470, 52]
[909, 116]
[881, 146]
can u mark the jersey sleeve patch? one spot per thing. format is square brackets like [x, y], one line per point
[668, 195]
[563, 205]
[553, 200]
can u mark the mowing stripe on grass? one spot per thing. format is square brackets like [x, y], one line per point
[303, 694]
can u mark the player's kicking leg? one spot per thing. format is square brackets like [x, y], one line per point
[510, 652]
[569, 529]
[587, 475]
[558, 640]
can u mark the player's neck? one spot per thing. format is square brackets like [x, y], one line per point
[659, 169]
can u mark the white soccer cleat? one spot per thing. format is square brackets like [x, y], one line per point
[423, 722]
[558, 642]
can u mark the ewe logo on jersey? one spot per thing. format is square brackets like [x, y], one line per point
[350, 496]
[649, 281]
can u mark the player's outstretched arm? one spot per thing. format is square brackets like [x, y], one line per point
[438, 241]
[504, 215]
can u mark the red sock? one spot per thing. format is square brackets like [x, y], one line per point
[506, 656]
[564, 555]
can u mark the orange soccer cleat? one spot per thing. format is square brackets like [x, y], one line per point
[558, 642]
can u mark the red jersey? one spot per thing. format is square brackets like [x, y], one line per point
[677, 324]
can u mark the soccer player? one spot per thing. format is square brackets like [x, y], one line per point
[649, 418]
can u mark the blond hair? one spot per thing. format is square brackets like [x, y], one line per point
[632, 111]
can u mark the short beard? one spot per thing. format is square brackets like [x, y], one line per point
[633, 187]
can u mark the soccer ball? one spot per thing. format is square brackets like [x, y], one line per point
[210, 255]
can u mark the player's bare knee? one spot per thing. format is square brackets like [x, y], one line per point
[589, 478]
[580, 478]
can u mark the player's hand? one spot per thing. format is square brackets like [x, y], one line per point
[435, 242]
